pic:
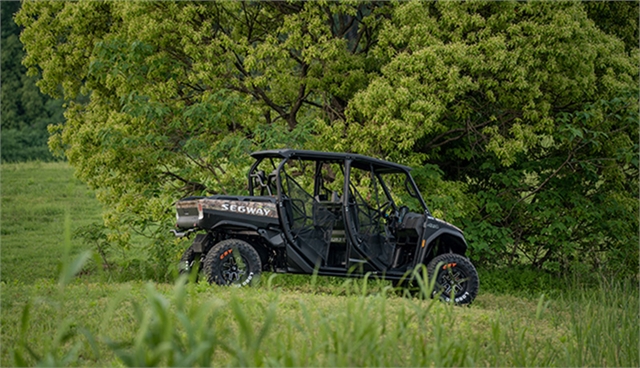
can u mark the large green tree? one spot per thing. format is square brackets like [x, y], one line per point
[521, 118]
[529, 109]
[181, 92]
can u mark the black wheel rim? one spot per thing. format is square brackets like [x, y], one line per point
[452, 281]
[234, 269]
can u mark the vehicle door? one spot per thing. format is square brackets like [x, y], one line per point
[309, 218]
[367, 211]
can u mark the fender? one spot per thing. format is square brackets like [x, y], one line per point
[272, 237]
[234, 225]
[442, 231]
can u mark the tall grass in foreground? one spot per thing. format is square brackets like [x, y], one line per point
[604, 323]
[191, 324]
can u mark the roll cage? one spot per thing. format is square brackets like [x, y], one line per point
[271, 184]
[337, 211]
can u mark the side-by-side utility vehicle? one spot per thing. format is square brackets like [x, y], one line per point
[337, 214]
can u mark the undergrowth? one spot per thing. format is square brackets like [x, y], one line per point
[196, 324]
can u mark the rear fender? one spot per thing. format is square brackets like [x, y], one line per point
[233, 225]
[273, 238]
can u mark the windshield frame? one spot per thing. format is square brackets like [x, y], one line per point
[409, 185]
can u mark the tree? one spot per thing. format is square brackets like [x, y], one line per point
[25, 111]
[521, 118]
[180, 92]
[529, 109]
[619, 18]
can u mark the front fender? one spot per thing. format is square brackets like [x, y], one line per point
[451, 238]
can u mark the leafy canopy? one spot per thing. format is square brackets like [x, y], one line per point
[528, 107]
[520, 117]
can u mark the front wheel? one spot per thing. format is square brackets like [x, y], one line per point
[232, 262]
[456, 279]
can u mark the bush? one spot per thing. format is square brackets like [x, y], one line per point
[518, 280]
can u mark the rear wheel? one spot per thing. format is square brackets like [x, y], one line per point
[456, 279]
[232, 262]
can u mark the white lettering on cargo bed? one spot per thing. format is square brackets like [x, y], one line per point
[251, 208]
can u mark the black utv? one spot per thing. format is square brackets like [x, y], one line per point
[337, 214]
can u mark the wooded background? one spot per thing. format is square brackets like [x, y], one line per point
[520, 118]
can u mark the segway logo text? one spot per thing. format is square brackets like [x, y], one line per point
[246, 209]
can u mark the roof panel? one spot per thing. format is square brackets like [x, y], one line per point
[359, 161]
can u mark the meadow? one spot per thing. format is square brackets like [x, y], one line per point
[59, 309]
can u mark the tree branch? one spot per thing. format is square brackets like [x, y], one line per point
[540, 186]
[257, 92]
[190, 186]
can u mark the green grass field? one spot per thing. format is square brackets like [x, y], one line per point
[35, 198]
[287, 320]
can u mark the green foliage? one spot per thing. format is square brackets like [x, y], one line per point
[95, 235]
[523, 281]
[180, 93]
[25, 111]
[26, 144]
[529, 110]
[619, 18]
[520, 117]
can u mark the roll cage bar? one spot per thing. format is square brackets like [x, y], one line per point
[350, 160]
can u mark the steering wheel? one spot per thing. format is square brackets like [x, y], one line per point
[384, 207]
[395, 219]
[382, 211]
[402, 212]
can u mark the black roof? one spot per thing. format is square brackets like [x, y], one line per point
[359, 161]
